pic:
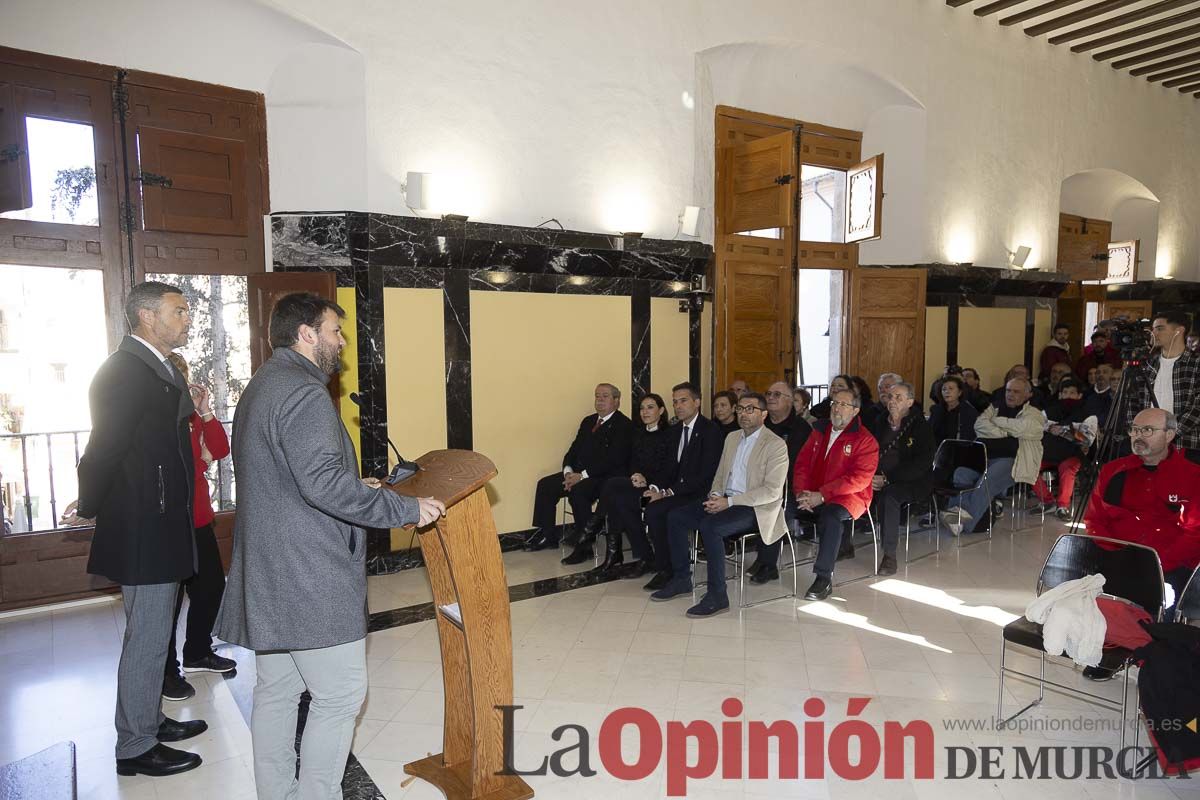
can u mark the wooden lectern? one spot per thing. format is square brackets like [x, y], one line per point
[470, 594]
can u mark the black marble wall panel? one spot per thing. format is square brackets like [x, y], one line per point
[952, 334]
[456, 315]
[1029, 334]
[694, 339]
[639, 321]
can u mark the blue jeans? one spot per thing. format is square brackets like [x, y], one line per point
[714, 529]
[976, 501]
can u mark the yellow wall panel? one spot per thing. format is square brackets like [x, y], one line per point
[535, 361]
[991, 340]
[348, 379]
[668, 346]
[935, 344]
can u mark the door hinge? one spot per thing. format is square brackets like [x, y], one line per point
[11, 152]
[784, 180]
[150, 179]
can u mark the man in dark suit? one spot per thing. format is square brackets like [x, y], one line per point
[695, 445]
[135, 482]
[600, 451]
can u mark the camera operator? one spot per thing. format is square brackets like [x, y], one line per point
[1172, 373]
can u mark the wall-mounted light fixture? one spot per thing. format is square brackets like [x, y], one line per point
[1020, 256]
[418, 189]
[689, 220]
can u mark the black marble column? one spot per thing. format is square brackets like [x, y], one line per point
[952, 334]
[639, 306]
[456, 313]
[694, 339]
[1029, 343]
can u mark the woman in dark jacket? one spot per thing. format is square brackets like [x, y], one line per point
[621, 497]
[840, 383]
[953, 417]
[723, 414]
[905, 473]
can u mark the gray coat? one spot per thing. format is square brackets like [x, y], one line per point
[298, 576]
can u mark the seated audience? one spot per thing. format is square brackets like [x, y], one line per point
[1070, 432]
[600, 451]
[840, 383]
[905, 471]
[1013, 435]
[693, 449]
[869, 410]
[723, 414]
[1099, 398]
[935, 391]
[1097, 353]
[832, 481]
[1151, 498]
[1037, 396]
[1173, 375]
[1091, 377]
[952, 417]
[1057, 351]
[621, 497]
[976, 396]
[746, 496]
[739, 387]
[802, 404]
[794, 430]
[1058, 372]
[883, 387]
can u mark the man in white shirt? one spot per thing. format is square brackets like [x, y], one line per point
[1172, 375]
[746, 496]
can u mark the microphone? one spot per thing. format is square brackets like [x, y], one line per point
[403, 469]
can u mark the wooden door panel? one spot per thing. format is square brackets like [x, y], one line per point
[762, 183]
[263, 292]
[207, 177]
[16, 185]
[755, 322]
[1083, 247]
[886, 324]
[1133, 309]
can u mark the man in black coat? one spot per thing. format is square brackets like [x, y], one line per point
[135, 482]
[695, 450]
[600, 451]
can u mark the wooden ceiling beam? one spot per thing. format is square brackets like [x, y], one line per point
[1077, 16]
[997, 5]
[1124, 19]
[957, 3]
[1190, 88]
[1038, 11]
[1141, 30]
[1185, 80]
[1153, 41]
[1171, 62]
[1171, 73]
[1182, 47]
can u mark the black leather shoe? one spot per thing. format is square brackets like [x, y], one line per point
[637, 570]
[709, 606]
[581, 553]
[765, 575]
[158, 761]
[845, 553]
[614, 558]
[887, 565]
[659, 580]
[539, 541]
[172, 731]
[210, 663]
[755, 568]
[594, 525]
[820, 590]
[175, 687]
[1099, 673]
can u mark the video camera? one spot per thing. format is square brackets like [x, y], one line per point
[1130, 337]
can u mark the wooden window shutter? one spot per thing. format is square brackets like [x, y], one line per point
[16, 186]
[192, 183]
[1083, 247]
[864, 200]
[762, 180]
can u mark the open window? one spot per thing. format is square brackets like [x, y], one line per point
[864, 200]
[1122, 262]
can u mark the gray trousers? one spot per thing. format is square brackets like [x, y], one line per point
[336, 677]
[149, 612]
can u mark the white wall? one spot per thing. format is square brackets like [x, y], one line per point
[536, 109]
[1137, 218]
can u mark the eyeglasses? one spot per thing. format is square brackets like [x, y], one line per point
[747, 409]
[1143, 430]
[842, 403]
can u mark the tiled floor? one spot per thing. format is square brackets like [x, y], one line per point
[923, 645]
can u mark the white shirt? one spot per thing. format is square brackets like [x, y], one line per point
[834, 433]
[157, 353]
[735, 484]
[685, 435]
[1164, 389]
[599, 422]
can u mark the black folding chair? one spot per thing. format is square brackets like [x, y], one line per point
[1187, 605]
[950, 456]
[1132, 573]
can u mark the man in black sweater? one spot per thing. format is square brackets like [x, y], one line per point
[600, 451]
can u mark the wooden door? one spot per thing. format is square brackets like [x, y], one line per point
[263, 292]
[886, 324]
[755, 319]
[1132, 309]
[1083, 247]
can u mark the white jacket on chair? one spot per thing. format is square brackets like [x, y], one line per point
[1071, 621]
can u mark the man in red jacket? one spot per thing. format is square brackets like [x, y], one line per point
[832, 478]
[1152, 497]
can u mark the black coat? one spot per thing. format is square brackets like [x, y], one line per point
[651, 454]
[136, 474]
[604, 453]
[692, 475]
[956, 424]
[905, 455]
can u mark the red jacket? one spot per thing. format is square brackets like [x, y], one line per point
[1159, 508]
[844, 475]
[218, 447]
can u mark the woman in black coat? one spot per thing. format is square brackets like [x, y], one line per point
[840, 383]
[905, 472]
[621, 497]
[953, 417]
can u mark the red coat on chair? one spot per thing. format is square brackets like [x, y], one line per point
[842, 476]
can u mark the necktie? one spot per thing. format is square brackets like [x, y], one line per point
[596, 427]
[683, 443]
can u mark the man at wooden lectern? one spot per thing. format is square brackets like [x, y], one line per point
[297, 587]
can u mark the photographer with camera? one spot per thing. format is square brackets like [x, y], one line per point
[1173, 375]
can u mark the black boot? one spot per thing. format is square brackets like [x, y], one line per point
[613, 556]
[581, 553]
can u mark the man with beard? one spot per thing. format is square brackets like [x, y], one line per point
[1151, 498]
[297, 588]
[1099, 399]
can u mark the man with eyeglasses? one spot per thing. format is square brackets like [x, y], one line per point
[782, 421]
[1151, 498]
[747, 495]
[832, 480]
[1173, 375]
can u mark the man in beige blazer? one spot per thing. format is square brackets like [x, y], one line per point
[746, 496]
